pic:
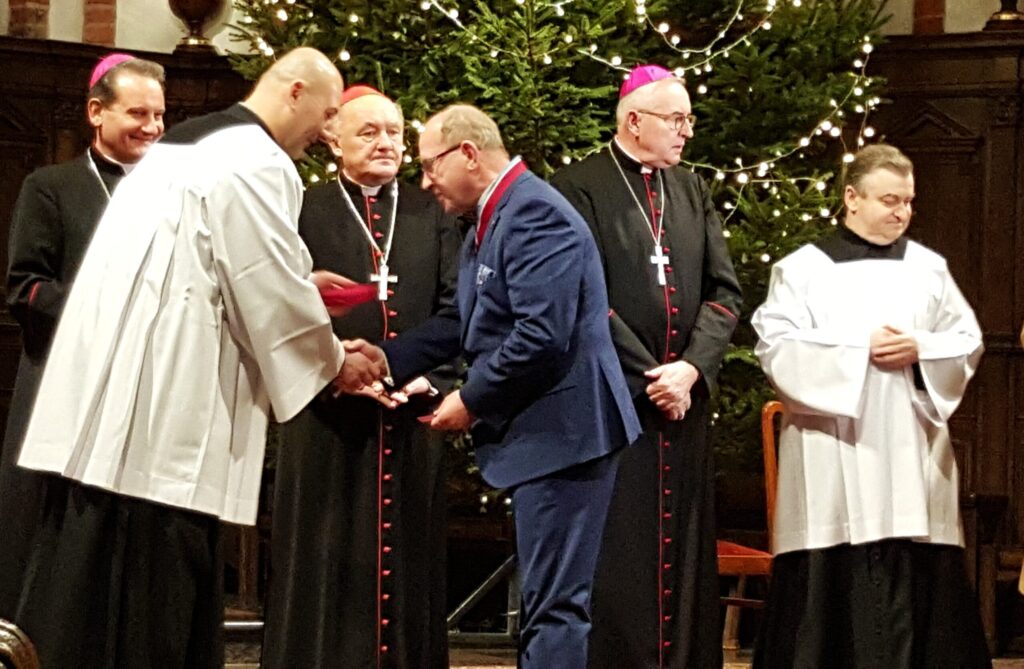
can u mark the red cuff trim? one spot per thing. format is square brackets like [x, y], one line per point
[719, 307]
[33, 292]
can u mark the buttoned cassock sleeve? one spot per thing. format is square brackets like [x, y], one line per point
[274, 312]
[35, 290]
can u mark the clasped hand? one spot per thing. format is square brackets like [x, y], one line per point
[364, 366]
[670, 387]
[892, 349]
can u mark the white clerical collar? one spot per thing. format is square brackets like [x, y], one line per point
[643, 168]
[125, 167]
[368, 191]
[494, 184]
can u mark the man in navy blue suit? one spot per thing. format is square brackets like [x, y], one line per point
[546, 400]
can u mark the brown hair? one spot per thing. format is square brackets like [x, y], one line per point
[873, 157]
[105, 89]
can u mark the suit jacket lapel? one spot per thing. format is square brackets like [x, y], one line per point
[470, 265]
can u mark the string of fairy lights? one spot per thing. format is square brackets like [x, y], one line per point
[694, 62]
[699, 62]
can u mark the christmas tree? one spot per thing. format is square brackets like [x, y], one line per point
[779, 87]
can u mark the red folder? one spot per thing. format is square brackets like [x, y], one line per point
[348, 296]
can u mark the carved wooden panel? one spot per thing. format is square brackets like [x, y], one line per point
[954, 107]
[42, 121]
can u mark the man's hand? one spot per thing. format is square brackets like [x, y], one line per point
[418, 386]
[375, 391]
[892, 349]
[364, 364]
[322, 279]
[670, 387]
[452, 414]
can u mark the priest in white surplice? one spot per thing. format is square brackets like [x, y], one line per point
[870, 345]
[194, 315]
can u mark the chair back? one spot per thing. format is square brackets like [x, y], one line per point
[769, 411]
[16, 651]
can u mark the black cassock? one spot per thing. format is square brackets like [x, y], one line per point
[358, 542]
[54, 218]
[655, 600]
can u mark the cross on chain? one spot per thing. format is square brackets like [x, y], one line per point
[382, 278]
[660, 259]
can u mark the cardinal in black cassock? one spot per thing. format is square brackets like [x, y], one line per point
[54, 218]
[674, 302]
[358, 543]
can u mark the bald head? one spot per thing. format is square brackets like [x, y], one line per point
[306, 64]
[296, 97]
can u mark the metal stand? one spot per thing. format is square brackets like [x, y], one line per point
[510, 636]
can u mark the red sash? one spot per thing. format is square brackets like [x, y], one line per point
[492, 201]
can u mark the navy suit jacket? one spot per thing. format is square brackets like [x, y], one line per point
[545, 384]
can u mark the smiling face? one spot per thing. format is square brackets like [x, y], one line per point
[879, 209]
[125, 128]
[369, 139]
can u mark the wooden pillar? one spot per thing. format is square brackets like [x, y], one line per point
[100, 22]
[29, 18]
[929, 17]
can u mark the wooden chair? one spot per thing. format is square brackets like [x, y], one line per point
[16, 651]
[741, 561]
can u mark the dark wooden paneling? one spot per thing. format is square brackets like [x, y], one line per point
[42, 121]
[954, 105]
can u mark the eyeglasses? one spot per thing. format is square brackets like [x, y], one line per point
[428, 164]
[675, 122]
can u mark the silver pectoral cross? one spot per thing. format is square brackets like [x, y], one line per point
[661, 260]
[382, 278]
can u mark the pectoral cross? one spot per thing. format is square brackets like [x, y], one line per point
[661, 260]
[382, 278]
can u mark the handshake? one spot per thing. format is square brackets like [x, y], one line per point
[365, 372]
[365, 365]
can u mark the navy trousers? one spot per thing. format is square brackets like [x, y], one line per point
[559, 520]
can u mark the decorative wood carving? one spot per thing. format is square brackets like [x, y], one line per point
[956, 110]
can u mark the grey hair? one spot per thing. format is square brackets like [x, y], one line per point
[466, 123]
[641, 98]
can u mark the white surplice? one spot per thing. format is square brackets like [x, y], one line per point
[192, 316]
[864, 454]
